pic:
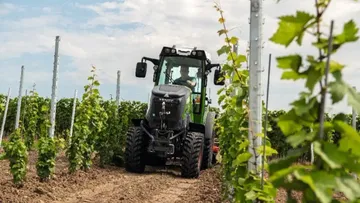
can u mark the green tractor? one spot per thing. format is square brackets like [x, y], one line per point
[178, 125]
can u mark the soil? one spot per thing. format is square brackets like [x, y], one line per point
[109, 184]
[114, 184]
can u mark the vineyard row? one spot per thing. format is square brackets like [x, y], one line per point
[134, 109]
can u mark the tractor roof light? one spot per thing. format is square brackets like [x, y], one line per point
[167, 50]
[200, 53]
[173, 51]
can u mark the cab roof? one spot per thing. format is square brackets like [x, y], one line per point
[186, 51]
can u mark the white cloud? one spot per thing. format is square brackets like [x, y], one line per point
[162, 22]
[6, 8]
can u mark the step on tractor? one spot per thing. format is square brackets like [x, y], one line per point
[178, 126]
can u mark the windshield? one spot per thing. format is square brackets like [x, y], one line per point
[180, 70]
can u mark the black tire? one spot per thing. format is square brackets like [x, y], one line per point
[135, 150]
[207, 160]
[192, 155]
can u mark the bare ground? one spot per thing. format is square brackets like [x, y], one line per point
[110, 184]
[114, 184]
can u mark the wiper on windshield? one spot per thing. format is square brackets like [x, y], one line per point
[169, 76]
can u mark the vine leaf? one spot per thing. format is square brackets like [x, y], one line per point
[336, 90]
[339, 89]
[297, 139]
[301, 106]
[292, 62]
[224, 49]
[350, 140]
[291, 75]
[288, 123]
[241, 158]
[349, 34]
[291, 27]
[353, 98]
[320, 182]
[349, 187]
[222, 31]
[233, 40]
[330, 154]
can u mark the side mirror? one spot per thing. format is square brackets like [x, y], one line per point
[141, 68]
[219, 78]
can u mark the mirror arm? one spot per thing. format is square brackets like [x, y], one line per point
[154, 61]
[210, 66]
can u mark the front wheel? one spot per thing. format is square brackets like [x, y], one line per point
[192, 155]
[135, 150]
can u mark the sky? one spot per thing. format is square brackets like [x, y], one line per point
[115, 35]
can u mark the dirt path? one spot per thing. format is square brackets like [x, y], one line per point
[110, 184]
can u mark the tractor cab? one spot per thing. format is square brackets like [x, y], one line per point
[187, 67]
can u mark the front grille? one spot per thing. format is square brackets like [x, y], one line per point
[173, 120]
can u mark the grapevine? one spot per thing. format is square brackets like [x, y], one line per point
[109, 138]
[48, 148]
[87, 127]
[32, 119]
[233, 129]
[63, 116]
[302, 124]
[17, 154]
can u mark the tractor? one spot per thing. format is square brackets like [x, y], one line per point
[178, 125]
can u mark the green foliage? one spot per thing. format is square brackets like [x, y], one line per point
[47, 148]
[214, 109]
[32, 115]
[16, 153]
[107, 138]
[63, 116]
[232, 127]
[87, 127]
[301, 124]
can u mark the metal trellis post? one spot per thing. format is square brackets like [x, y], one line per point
[5, 114]
[54, 88]
[18, 110]
[255, 100]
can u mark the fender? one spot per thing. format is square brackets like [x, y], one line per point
[195, 127]
[136, 121]
[209, 124]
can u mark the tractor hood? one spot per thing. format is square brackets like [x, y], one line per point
[176, 100]
[171, 91]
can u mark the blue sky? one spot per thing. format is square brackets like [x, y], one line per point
[114, 35]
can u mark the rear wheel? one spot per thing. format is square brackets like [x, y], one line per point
[207, 161]
[135, 150]
[192, 155]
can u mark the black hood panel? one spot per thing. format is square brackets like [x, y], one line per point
[173, 91]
